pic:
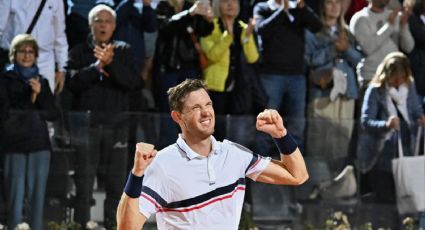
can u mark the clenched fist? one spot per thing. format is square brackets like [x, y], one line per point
[270, 121]
[143, 157]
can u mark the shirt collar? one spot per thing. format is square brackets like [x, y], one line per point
[190, 154]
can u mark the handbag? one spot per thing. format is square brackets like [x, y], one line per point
[321, 77]
[409, 178]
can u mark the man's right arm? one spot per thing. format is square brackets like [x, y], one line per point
[128, 214]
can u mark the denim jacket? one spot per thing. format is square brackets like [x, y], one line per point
[374, 115]
[320, 53]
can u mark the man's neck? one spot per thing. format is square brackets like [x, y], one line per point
[201, 146]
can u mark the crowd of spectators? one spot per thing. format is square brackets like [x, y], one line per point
[324, 64]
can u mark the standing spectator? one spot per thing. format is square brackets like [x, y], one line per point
[49, 31]
[26, 101]
[281, 26]
[76, 19]
[391, 105]
[331, 108]
[176, 57]
[131, 25]
[379, 31]
[101, 73]
[417, 56]
[230, 43]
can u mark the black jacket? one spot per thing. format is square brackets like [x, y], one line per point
[95, 92]
[174, 47]
[282, 41]
[23, 126]
[417, 56]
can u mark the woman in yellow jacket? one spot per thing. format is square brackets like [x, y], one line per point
[229, 45]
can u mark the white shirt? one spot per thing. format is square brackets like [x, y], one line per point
[377, 38]
[190, 191]
[49, 31]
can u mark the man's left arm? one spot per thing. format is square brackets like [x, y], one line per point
[60, 46]
[291, 168]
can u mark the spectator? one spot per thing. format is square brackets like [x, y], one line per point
[131, 25]
[281, 27]
[176, 57]
[101, 73]
[390, 106]
[331, 107]
[231, 43]
[26, 101]
[379, 32]
[417, 56]
[76, 19]
[49, 31]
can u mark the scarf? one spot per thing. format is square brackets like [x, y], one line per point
[399, 97]
[24, 73]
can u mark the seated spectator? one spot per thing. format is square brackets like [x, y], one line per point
[101, 74]
[26, 102]
[331, 55]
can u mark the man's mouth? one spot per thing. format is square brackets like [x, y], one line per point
[206, 121]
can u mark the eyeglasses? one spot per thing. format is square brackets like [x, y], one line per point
[24, 52]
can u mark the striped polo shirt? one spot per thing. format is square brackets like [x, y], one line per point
[189, 191]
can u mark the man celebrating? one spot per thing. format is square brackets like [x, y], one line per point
[198, 182]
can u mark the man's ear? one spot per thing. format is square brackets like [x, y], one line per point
[176, 116]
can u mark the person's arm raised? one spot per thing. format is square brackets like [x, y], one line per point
[291, 168]
[128, 214]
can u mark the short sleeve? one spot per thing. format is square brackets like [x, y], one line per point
[257, 165]
[153, 197]
[253, 163]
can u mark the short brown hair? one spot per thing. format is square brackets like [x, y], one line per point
[178, 93]
[20, 41]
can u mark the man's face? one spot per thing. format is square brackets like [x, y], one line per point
[381, 4]
[102, 27]
[197, 116]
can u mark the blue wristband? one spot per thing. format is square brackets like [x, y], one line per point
[286, 145]
[133, 187]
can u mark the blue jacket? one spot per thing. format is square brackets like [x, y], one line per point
[374, 115]
[320, 53]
